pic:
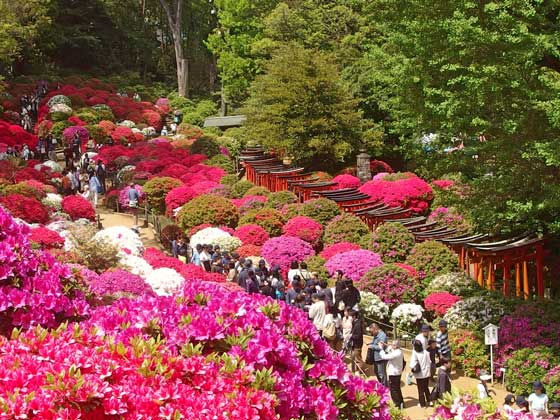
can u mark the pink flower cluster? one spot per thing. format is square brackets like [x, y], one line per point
[354, 264]
[409, 192]
[444, 184]
[347, 181]
[252, 234]
[119, 282]
[440, 302]
[338, 248]
[304, 228]
[285, 249]
[177, 197]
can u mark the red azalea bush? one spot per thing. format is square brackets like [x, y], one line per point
[26, 208]
[177, 197]
[77, 207]
[252, 234]
[377, 166]
[405, 190]
[338, 248]
[107, 126]
[123, 135]
[46, 238]
[204, 187]
[249, 250]
[304, 228]
[175, 170]
[347, 181]
[26, 174]
[440, 302]
[285, 249]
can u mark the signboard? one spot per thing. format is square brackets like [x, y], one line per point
[491, 335]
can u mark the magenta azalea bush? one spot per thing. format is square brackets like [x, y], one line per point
[119, 282]
[251, 234]
[285, 249]
[304, 228]
[347, 181]
[440, 302]
[392, 284]
[354, 264]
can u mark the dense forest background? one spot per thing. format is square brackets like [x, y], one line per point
[454, 88]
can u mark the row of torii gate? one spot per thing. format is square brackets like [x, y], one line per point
[514, 265]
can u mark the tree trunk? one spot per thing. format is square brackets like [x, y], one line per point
[174, 12]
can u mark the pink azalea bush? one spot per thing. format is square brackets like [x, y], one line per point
[440, 302]
[347, 181]
[177, 197]
[391, 283]
[251, 234]
[404, 190]
[285, 249]
[304, 228]
[338, 248]
[119, 282]
[449, 216]
[354, 264]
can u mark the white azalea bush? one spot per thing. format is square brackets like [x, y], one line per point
[458, 284]
[59, 99]
[227, 243]
[475, 312]
[128, 123]
[165, 281]
[407, 315]
[373, 307]
[136, 265]
[53, 200]
[124, 238]
[207, 236]
[51, 164]
[61, 109]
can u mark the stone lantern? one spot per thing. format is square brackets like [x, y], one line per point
[363, 169]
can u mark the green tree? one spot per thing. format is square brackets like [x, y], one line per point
[302, 108]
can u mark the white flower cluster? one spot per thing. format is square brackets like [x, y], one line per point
[53, 200]
[373, 307]
[455, 283]
[62, 108]
[59, 99]
[207, 236]
[165, 281]
[136, 265]
[124, 238]
[149, 131]
[127, 123]
[406, 315]
[474, 312]
[51, 164]
[228, 243]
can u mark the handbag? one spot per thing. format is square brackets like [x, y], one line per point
[329, 330]
[416, 368]
[434, 395]
[370, 356]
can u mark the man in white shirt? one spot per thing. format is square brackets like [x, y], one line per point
[317, 311]
[424, 335]
[395, 365]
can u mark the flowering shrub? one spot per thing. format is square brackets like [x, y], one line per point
[157, 188]
[248, 250]
[269, 219]
[469, 352]
[54, 201]
[304, 228]
[449, 216]
[404, 190]
[373, 307]
[474, 313]
[35, 289]
[207, 236]
[347, 181]
[431, 259]
[59, 99]
[176, 197]
[455, 283]
[391, 283]
[285, 249]
[227, 243]
[528, 365]
[377, 166]
[392, 241]
[347, 228]
[552, 383]
[258, 332]
[165, 281]
[277, 200]
[208, 208]
[354, 264]
[321, 209]
[338, 248]
[251, 234]
[407, 316]
[69, 133]
[127, 241]
[117, 283]
[26, 208]
[77, 207]
[248, 203]
[46, 238]
[440, 302]
[463, 406]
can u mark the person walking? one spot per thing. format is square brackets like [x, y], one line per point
[318, 311]
[195, 257]
[357, 340]
[133, 196]
[393, 355]
[94, 188]
[420, 366]
[442, 340]
[377, 344]
[443, 379]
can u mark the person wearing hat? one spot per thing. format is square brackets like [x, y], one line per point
[424, 335]
[442, 340]
[507, 408]
[522, 403]
[555, 410]
[482, 386]
[538, 400]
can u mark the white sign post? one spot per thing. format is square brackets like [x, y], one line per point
[491, 339]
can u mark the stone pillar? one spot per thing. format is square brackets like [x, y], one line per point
[362, 167]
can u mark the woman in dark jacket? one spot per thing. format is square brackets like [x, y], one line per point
[443, 379]
[350, 295]
[357, 341]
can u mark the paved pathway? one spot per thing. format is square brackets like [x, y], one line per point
[109, 218]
